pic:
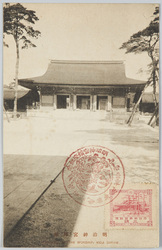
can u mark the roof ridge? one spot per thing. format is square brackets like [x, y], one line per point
[87, 61]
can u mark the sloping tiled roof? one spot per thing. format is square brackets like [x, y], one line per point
[9, 92]
[84, 73]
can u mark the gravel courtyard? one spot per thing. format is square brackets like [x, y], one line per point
[35, 150]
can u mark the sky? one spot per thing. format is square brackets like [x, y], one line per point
[81, 32]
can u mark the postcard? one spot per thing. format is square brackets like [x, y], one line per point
[81, 125]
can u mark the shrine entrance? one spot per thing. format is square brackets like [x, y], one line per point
[62, 101]
[102, 102]
[83, 102]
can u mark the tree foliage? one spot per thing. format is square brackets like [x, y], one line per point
[147, 40]
[18, 22]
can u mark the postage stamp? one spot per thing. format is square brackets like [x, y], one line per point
[90, 173]
[134, 208]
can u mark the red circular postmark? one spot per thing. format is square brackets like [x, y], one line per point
[93, 176]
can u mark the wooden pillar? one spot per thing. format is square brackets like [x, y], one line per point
[38, 103]
[109, 103]
[54, 101]
[70, 102]
[74, 102]
[40, 97]
[126, 108]
[94, 102]
[91, 102]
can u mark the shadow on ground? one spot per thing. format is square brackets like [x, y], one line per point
[142, 137]
[50, 222]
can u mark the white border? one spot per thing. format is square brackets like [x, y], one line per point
[1, 98]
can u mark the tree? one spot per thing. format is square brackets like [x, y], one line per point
[18, 22]
[146, 40]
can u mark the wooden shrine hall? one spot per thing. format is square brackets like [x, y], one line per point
[92, 85]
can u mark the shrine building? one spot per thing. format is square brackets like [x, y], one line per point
[91, 85]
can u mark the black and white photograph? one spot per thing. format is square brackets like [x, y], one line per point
[80, 125]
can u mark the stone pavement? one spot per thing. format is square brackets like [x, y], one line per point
[35, 151]
[25, 178]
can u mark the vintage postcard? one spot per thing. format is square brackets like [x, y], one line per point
[81, 125]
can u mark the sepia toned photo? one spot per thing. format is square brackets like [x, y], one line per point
[80, 125]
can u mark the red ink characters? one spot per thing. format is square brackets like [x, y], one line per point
[90, 173]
